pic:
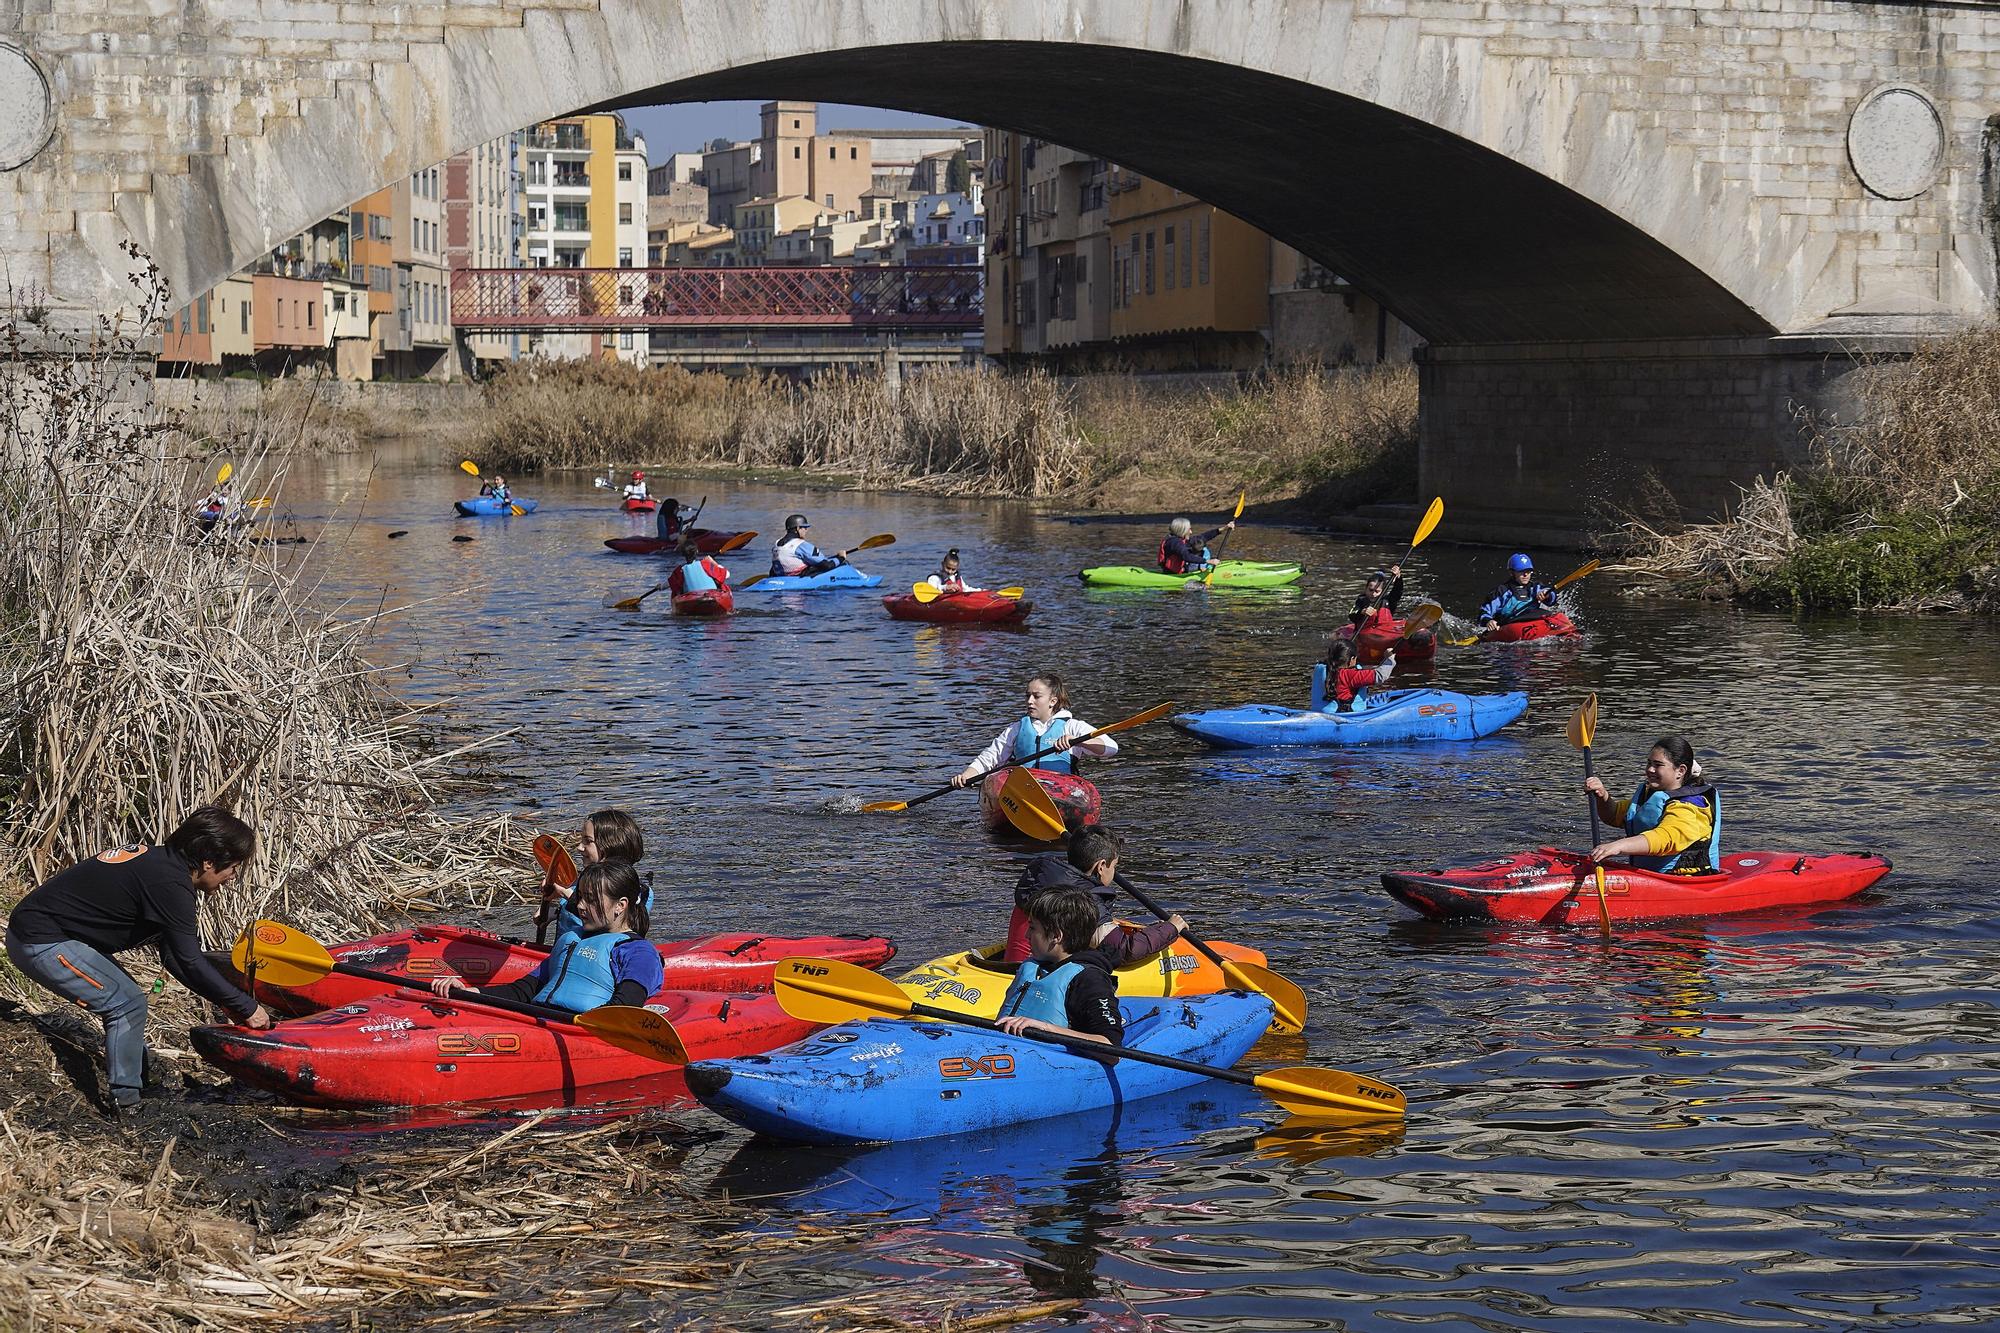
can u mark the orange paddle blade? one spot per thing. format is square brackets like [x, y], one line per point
[1028, 807]
[1583, 723]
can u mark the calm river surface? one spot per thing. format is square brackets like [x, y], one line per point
[1785, 1121]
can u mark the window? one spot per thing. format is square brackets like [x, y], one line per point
[854, 155]
[795, 124]
[625, 340]
[795, 152]
[624, 215]
[832, 153]
[187, 319]
[1204, 251]
[624, 256]
[1187, 256]
[624, 171]
[243, 315]
[309, 313]
[829, 201]
[1167, 244]
[1149, 263]
[201, 316]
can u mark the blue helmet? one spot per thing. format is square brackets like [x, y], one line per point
[1518, 562]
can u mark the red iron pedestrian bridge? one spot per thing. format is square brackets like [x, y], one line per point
[945, 298]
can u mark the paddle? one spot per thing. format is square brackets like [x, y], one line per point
[224, 473]
[1421, 618]
[632, 603]
[1126, 724]
[471, 469]
[928, 592]
[1582, 726]
[557, 866]
[1222, 541]
[1582, 571]
[1287, 1000]
[819, 990]
[865, 544]
[1029, 808]
[285, 957]
[1432, 517]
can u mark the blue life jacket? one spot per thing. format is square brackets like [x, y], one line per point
[569, 923]
[1036, 994]
[1027, 741]
[1646, 812]
[696, 579]
[579, 970]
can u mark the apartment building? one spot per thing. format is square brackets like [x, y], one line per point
[1048, 276]
[759, 222]
[485, 226]
[585, 200]
[947, 228]
[789, 158]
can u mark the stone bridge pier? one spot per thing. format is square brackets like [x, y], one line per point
[1638, 236]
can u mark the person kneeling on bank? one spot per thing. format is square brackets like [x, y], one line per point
[1065, 987]
[608, 962]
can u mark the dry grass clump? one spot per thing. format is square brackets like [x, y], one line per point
[147, 667]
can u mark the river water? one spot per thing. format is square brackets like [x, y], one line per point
[1784, 1121]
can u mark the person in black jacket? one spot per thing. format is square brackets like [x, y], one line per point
[1090, 863]
[1382, 592]
[65, 932]
[1066, 988]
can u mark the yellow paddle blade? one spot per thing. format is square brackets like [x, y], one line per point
[1432, 517]
[516, 510]
[1304, 1090]
[739, 540]
[261, 502]
[640, 1031]
[1016, 592]
[1583, 723]
[820, 990]
[870, 543]
[1028, 807]
[1465, 642]
[554, 858]
[1421, 619]
[632, 603]
[884, 807]
[1582, 571]
[925, 592]
[1241, 496]
[467, 466]
[1603, 904]
[280, 955]
[224, 473]
[1287, 1000]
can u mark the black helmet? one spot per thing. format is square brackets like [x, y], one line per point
[795, 522]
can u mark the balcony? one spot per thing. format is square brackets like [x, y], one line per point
[572, 180]
[565, 139]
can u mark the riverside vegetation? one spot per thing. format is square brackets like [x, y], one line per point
[1898, 508]
[1326, 439]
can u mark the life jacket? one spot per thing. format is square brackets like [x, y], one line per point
[1034, 993]
[1345, 697]
[694, 577]
[669, 521]
[1174, 564]
[1646, 812]
[785, 557]
[580, 973]
[1028, 740]
[956, 583]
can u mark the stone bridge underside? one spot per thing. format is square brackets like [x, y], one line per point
[1633, 231]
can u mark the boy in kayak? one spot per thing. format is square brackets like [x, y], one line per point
[1378, 599]
[65, 932]
[1183, 553]
[792, 554]
[1346, 683]
[1673, 821]
[608, 835]
[1066, 986]
[1519, 596]
[698, 573]
[947, 578]
[1090, 864]
[1047, 725]
[635, 489]
[605, 960]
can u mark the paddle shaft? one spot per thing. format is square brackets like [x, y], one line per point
[1011, 763]
[1085, 1046]
[1603, 907]
[545, 1012]
[1140, 896]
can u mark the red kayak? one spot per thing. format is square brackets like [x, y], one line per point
[714, 602]
[409, 1048]
[1555, 887]
[959, 608]
[1371, 645]
[1079, 800]
[640, 506]
[706, 540]
[735, 962]
[1554, 625]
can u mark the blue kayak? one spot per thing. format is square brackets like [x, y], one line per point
[485, 506]
[840, 576]
[1384, 717]
[890, 1080]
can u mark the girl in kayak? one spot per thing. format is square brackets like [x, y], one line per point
[698, 573]
[1519, 598]
[1345, 683]
[1378, 599]
[1089, 864]
[669, 520]
[496, 486]
[605, 961]
[1672, 823]
[608, 835]
[1066, 987]
[1183, 553]
[947, 578]
[1048, 725]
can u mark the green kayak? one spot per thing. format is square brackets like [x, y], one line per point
[1228, 574]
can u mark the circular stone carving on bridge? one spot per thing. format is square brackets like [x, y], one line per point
[1895, 140]
[26, 117]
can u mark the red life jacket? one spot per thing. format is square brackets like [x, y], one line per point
[1349, 681]
[1172, 564]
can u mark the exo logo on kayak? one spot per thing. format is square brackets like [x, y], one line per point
[478, 1043]
[1437, 710]
[471, 968]
[997, 1065]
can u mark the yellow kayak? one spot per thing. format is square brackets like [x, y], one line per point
[973, 982]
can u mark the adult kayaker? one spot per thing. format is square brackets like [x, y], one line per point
[948, 578]
[1519, 598]
[1376, 603]
[792, 554]
[1065, 986]
[635, 489]
[698, 573]
[1090, 863]
[1183, 553]
[1673, 821]
[606, 961]
[1048, 723]
[65, 932]
[1347, 684]
[608, 835]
